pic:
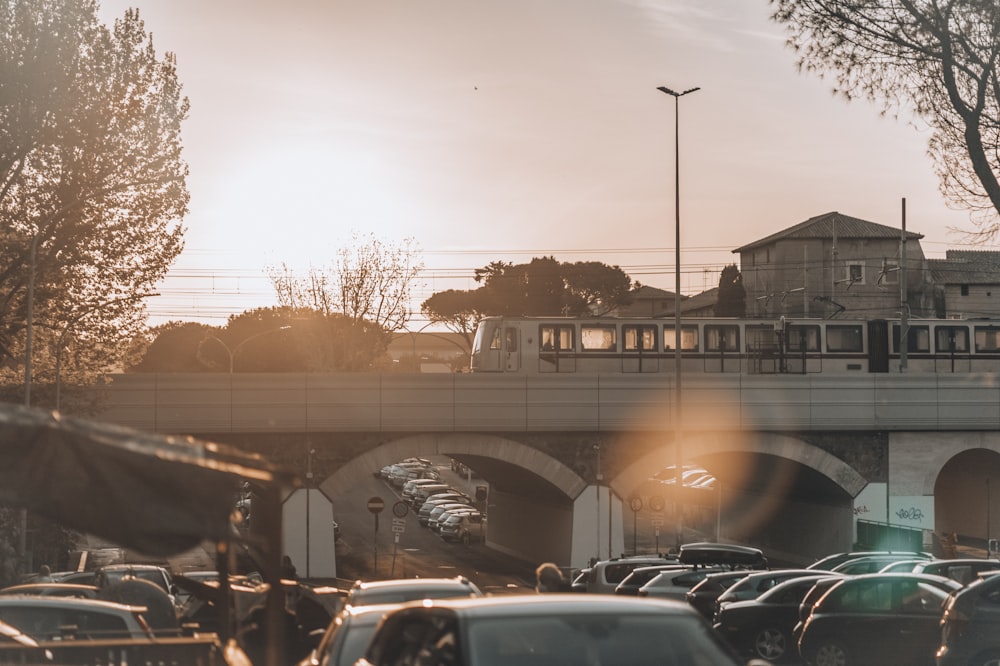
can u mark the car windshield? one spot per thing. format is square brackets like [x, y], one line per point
[612, 639]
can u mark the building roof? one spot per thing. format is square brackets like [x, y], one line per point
[830, 224]
[706, 299]
[966, 267]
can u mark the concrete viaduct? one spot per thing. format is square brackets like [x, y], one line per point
[797, 458]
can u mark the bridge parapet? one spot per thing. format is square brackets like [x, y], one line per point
[298, 402]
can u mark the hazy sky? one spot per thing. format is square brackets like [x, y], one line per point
[504, 130]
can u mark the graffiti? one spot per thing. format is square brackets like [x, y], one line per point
[860, 510]
[913, 513]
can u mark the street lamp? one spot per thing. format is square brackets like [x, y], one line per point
[232, 352]
[679, 458]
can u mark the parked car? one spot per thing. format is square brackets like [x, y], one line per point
[605, 575]
[969, 635]
[762, 627]
[400, 590]
[159, 576]
[877, 619]
[466, 527]
[348, 635]
[703, 595]
[755, 584]
[964, 570]
[54, 590]
[441, 509]
[411, 486]
[59, 618]
[424, 513]
[640, 576]
[830, 561]
[868, 564]
[548, 629]
[733, 556]
[421, 493]
[675, 584]
[815, 593]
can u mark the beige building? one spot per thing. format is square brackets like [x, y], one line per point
[969, 282]
[835, 265]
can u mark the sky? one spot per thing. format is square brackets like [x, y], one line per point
[505, 130]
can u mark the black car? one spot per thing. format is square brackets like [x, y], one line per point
[755, 584]
[815, 593]
[703, 595]
[762, 627]
[969, 635]
[883, 618]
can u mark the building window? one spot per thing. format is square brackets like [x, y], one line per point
[890, 272]
[963, 289]
[854, 273]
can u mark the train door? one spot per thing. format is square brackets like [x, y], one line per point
[557, 351]
[511, 348]
[878, 345]
[639, 349]
[722, 348]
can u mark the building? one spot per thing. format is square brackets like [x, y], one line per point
[969, 283]
[834, 265]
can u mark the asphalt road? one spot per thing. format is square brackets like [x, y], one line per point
[367, 554]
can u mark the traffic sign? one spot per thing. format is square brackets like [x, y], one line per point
[376, 504]
[656, 503]
[635, 503]
[398, 525]
[400, 509]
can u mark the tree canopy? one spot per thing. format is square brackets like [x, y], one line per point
[92, 182]
[542, 287]
[732, 301]
[935, 58]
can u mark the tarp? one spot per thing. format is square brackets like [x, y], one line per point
[160, 495]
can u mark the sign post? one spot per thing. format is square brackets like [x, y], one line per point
[657, 504]
[399, 511]
[635, 503]
[375, 506]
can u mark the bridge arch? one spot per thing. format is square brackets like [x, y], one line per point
[459, 445]
[698, 445]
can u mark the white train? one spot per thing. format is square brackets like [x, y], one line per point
[604, 345]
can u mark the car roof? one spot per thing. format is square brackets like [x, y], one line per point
[940, 581]
[65, 602]
[546, 605]
[409, 582]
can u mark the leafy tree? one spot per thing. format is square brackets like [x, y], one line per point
[732, 301]
[363, 297]
[547, 287]
[92, 184]
[459, 310]
[938, 58]
[174, 348]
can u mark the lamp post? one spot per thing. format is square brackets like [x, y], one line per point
[232, 352]
[679, 458]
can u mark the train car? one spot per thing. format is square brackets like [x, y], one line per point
[605, 345]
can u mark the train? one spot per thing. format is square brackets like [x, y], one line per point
[610, 345]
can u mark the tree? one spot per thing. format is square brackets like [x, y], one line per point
[936, 58]
[732, 301]
[460, 311]
[92, 184]
[546, 287]
[363, 297]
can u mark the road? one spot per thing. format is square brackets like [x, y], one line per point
[367, 554]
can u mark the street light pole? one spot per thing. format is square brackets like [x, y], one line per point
[679, 458]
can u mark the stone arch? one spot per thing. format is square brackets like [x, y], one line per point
[510, 451]
[775, 444]
[965, 487]
[933, 451]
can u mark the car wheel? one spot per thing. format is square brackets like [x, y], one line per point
[831, 653]
[770, 644]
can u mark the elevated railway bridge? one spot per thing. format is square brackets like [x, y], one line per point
[797, 459]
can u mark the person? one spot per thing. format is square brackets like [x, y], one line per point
[44, 575]
[288, 569]
[549, 578]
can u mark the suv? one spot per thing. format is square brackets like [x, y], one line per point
[606, 574]
[400, 590]
[466, 527]
[969, 624]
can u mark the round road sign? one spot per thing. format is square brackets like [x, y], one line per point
[400, 509]
[635, 503]
[656, 503]
[376, 504]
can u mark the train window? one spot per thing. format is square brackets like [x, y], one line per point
[802, 338]
[689, 337]
[951, 339]
[556, 337]
[495, 339]
[722, 338]
[639, 338]
[918, 339]
[988, 339]
[762, 338]
[510, 338]
[844, 338]
[598, 337]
